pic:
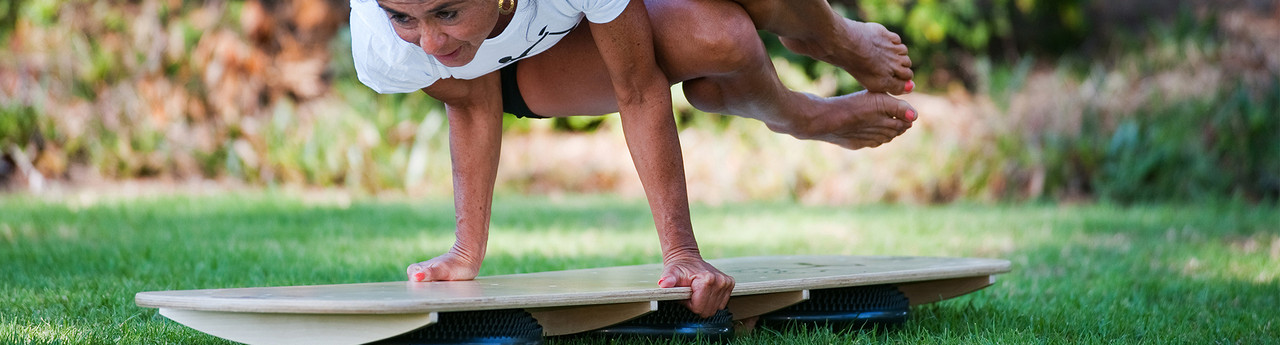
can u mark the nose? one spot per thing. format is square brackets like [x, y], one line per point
[432, 41]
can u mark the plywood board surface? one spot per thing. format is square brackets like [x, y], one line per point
[624, 284]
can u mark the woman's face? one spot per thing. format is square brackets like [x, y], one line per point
[449, 30]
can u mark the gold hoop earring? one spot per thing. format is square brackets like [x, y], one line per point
[506, 7]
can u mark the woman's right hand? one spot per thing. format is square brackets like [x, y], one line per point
[448, 266]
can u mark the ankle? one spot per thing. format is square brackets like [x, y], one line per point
[803, 122]
[811, 47]
[839, 31]
[822, 44]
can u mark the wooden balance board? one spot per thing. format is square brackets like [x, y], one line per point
[563, 302]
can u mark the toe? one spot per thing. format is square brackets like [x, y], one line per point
[889, 128]
[897, 108]
[898, 48]
[899, 82]
[863, 141]
[892, 85]
[904, 73]
[910, 114]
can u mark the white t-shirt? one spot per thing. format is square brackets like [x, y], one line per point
[388, 64]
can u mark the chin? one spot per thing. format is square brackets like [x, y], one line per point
[455, 63]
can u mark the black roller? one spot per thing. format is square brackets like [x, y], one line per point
[672, 320]
[488, 327]
[844, 308]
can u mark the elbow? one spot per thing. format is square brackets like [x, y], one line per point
[643, 89]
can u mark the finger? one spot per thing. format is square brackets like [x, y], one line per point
[724, 291]
[719, 289]
[703, 301]
[434, 271]
[416, 273]
[671, 279]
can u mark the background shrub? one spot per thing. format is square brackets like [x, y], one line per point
[1022, 100]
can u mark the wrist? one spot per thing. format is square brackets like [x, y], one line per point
[682, 253]
[470, 254]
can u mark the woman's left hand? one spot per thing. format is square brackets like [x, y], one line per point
[711, 288]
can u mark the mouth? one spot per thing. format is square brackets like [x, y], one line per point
[450, 57]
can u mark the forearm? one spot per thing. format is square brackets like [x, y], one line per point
[475, 140]
[650, 131]
[644, 101]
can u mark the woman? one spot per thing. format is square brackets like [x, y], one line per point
[532, 58]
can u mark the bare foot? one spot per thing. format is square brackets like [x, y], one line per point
[854, 121]
[448, 266]
[874, 55]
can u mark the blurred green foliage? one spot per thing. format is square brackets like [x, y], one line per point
[1189, 150]
[8, 16]
[17, 125]
[1224, 145]
[96, 103]
[936, 28]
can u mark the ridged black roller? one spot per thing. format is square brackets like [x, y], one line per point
[673, 320]
[488, 327]
[845, 308]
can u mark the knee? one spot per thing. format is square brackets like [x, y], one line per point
[730, 43]
[722, 36]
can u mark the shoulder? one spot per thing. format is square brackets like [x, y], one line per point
[596, 11]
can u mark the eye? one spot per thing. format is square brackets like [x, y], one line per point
[446, 15]
[400, 18]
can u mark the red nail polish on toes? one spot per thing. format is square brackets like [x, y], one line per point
[419, 276]
[911, 84]
[911, 115]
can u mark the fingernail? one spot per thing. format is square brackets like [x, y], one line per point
[911, 115]
[911, 84]
[420, 276]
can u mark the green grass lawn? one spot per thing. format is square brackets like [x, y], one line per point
[1081, 273]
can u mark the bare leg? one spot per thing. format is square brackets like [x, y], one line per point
[872, 54]
[712, 47]
[746, 84]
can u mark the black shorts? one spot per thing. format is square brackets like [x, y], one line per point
[512, 101]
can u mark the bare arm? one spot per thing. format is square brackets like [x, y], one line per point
[644, 100]
[475, 140]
